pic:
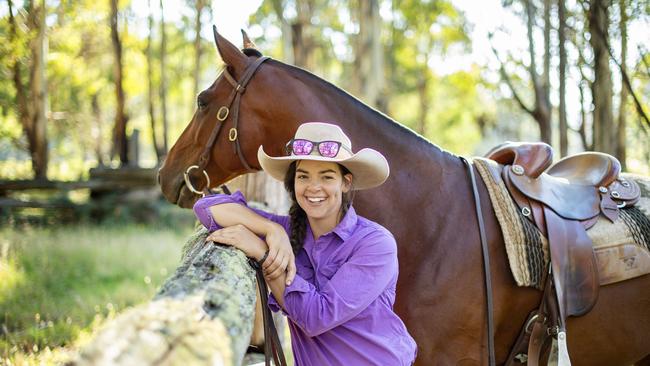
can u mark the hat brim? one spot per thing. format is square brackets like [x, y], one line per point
[368, 167]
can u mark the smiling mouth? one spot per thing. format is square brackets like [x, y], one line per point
[315, 199]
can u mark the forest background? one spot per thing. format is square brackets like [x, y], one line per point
[112, 84]
[80, 76]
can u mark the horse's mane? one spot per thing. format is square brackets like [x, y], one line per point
[376, 115]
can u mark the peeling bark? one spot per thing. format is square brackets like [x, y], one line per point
[202, 315]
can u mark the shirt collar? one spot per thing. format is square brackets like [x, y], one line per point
[345, 228]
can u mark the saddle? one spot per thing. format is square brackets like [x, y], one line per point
[563, 200]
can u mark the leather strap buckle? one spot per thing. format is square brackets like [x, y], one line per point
[232, 134]
[222, 114]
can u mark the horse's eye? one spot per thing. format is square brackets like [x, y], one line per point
[200, 103]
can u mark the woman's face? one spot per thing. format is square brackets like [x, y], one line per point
[319, 188]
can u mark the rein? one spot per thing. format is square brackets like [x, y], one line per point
[272, 344]
[234, 101]
[486, 262]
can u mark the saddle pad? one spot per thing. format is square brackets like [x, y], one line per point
[622, 248]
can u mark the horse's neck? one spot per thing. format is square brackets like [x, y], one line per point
[411, 157]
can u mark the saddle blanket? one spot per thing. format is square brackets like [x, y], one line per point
[622, 248]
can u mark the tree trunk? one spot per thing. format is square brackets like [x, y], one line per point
[21, 98]
[423, 96]
[302, 42]
[562, 38]
[31, 105]
[120, 145]
[287, 32]
[621, 145]
[197, 46]
[542, 111]
[202, 315]
[391, 59]
[583, 118]
[97, 131]
[163, 76]
[38, 142]
[604, 132]
[369, 55]
[546, 86]
[150, 89]
[377, 86]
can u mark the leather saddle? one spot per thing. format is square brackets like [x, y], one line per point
[563, 200]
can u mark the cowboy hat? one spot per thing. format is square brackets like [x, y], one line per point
[368, 167]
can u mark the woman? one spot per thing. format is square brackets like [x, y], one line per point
[340, 301]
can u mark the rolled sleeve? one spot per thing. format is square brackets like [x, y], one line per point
[202, 210]
[299, 284]
[356, 284]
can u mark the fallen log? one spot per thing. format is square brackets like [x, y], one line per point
[201, 316]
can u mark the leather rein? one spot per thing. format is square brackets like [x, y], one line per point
[272, 345]
[234, 101]
[486, 262]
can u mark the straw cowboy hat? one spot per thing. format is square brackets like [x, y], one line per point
[326, 142]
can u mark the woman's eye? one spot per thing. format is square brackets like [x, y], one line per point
[302, 177]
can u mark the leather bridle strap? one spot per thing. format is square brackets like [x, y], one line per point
[223, 113]
[486, 262]
[239, 89]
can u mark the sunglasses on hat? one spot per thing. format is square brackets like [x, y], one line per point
[300, 147]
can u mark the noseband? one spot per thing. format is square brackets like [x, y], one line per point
[222, 116]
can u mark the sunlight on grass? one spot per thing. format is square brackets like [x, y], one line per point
[11, 276]
[58, 283]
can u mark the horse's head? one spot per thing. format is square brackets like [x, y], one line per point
[234, 116]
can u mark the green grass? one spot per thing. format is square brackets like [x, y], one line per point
[58, 283]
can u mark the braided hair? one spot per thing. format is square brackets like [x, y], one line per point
[297, 216]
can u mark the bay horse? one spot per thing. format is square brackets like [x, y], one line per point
[426, 203]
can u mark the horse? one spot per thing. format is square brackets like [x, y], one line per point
[427, 204]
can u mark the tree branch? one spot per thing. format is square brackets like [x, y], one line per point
[643, 52]
[507, 80]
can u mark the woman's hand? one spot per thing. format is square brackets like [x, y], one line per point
[280, 257]
[240, 237]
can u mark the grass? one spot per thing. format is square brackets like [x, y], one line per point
[58, 283]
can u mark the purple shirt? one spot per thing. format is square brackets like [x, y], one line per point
[340, 305]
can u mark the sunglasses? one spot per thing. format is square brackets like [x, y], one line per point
[328, 149]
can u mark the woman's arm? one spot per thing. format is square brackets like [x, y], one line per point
[231, 214]
[356, 284]
[223, 211]
[277, 287]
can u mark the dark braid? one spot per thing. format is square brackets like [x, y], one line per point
[298, 217]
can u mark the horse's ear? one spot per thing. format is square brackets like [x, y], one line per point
[230, 54]
[247, 41]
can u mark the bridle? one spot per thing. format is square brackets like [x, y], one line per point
[234, 100]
